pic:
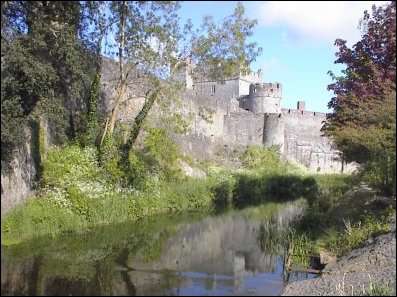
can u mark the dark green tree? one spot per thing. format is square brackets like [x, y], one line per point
[363, 121]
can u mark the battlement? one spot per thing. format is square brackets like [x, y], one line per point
[266, 90]
[302, 113]
[252, 77]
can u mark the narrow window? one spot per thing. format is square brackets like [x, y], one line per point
[213, 89]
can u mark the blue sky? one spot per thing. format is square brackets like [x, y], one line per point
[297, 40]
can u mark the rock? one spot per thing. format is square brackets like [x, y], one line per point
[327, 258]
[191, 171]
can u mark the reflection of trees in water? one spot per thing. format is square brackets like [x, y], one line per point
[273, 233]
[114, 263]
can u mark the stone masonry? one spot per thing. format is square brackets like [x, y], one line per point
[246, 111]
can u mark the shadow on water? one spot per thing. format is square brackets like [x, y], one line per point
[236, 253]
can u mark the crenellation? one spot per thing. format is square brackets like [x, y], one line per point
[303, 113]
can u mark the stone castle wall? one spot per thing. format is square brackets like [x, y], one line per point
[296, 132]
[239, 112]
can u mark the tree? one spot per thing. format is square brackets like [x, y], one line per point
[146, 36]
[363, 119]
[149, 38]
[222, 50]
[48, 56]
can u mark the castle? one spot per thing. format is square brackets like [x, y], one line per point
[229, 115]
[242, 111]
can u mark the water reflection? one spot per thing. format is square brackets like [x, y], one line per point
[237, 253]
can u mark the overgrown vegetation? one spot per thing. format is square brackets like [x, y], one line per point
[80, 189]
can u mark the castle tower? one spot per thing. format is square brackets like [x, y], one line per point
[264, 98]
[273, 131]
[184, 73]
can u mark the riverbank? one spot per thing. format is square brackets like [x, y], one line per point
[77, 193]
[356, 240]
[369, 270]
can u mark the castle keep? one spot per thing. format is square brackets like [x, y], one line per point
[244, 111]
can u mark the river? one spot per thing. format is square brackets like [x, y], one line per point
[234, 253]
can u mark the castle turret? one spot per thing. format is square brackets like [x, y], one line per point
[184, 73]
[264, 98]
[273, 131]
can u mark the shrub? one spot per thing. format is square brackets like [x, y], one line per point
[259, 157]
[69, 165]
[354, 235]
[79, 202]
[137, 169]
[109, 157]
[250, 190]
[223, 194]
[161, 154]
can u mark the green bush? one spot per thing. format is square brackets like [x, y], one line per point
[354, 235]
[258, 157]
[161, 154]
[79, 202]
[69, 165]
[223, 194]
[331, 188]
[109, 156]
[250, 190]
[137, 171]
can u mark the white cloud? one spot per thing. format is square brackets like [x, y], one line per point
[317, 20]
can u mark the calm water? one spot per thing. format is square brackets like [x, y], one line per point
[189, 254]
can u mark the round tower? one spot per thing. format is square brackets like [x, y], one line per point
[273, 131]
[265, 98]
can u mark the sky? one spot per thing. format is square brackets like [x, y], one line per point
[297, 40]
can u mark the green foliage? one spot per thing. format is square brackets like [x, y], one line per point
[378, 289]
[79, 202]
[258, 188]
[223, 50]
[137, 171]
[110, 158]
[363, 122]
[69, 166]
[354, 235]
[161, 153]
[45, 69]
[223, 193]
[92, 130]
[259, 157]
[300, 248]
[331, 188]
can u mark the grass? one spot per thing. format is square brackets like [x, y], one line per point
[354, 235]
[338, 219]
[43, 216]
[77, 194]
[371, 289]
[375, 289]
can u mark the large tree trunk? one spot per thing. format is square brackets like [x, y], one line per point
[120, 90]
[140, 118]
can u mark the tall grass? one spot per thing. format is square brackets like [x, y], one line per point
[78, 192]
[76, 195]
